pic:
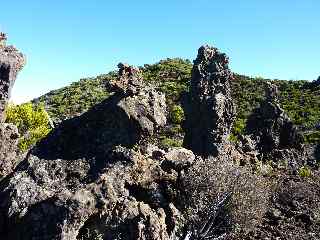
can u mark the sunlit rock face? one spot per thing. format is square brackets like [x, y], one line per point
[210, 111]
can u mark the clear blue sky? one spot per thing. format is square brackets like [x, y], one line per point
[67, 40]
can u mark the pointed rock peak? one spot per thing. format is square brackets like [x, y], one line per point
[210, 74]
[129, 79]
[272, 92]
[210, 111]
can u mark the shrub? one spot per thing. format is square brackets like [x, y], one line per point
[177, 114]
[205, 184]
[31, 121]
[169, 142]
[313, 137]
[305, 172]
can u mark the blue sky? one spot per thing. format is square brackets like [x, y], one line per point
[68, 40]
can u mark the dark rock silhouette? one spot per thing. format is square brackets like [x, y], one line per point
[271, 125]
[275, 135]
[210, 111]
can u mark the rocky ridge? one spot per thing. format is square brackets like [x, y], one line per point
[100, 175]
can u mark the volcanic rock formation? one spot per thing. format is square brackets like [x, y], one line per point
[80, 177]
[101, 176]
[11, 62]
[273, 130]
[210, 111]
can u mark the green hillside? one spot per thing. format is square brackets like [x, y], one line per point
[300, 99]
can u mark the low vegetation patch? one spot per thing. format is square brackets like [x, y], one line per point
[32, 122]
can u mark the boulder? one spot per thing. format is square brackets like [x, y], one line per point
[209, 110]
[178, 159]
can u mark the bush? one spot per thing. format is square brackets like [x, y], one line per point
[169, 142]
[305, 172]
[208, 180]
[313, 137]
[31, 121]
[177, 114]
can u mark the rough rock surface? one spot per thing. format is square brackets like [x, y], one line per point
[129, 80]
[273, 130]
[79, 181]
[122, 119]
[210, 111]
[11, 62]
[100, 176]
[8, 148]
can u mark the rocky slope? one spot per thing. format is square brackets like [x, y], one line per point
[104, 175]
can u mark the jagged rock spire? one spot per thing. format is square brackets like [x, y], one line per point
[129, 79]
[272, 92]
[11, 62]
[271, 126]
[210, 111]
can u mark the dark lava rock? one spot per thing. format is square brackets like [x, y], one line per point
[11, 62]
[210, 111]
[8, 148]
[122, 119]
[129, 80]
[273, 130]
[84, 179]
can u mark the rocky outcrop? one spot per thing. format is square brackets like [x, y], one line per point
[122, 119]
[84, 178]
[273, 130]
[210, 111]
[11, 62]
[129, 80]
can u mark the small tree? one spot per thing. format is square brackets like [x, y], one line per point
[32, 122]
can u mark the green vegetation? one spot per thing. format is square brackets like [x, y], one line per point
[305, 172]
[32, 122]
[172, 76]
[76, 98]
[177, 114]
[170, 142]
[312, 137]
